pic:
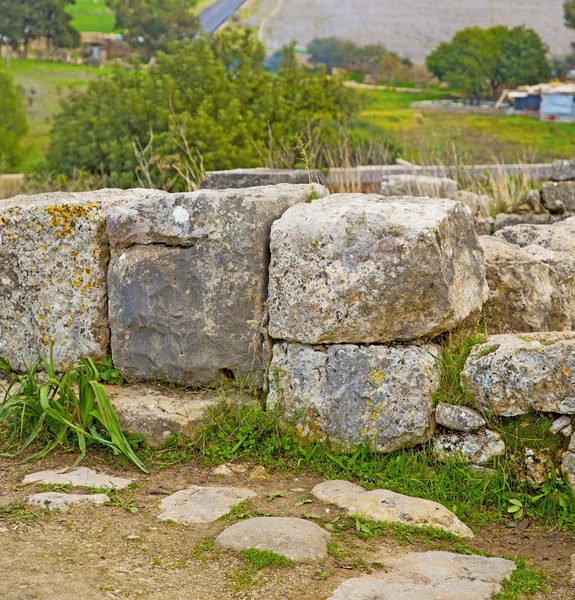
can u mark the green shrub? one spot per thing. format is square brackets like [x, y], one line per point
[13, 122]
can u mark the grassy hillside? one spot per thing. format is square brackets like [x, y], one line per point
[92, 16]
[432, 137]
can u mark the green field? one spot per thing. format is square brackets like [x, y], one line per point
[44, 84]
[475, 139]
[92, 16]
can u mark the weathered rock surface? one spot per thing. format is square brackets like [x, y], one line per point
[559, 424]
[389, 507]
[158, 412]
[559, 197]
[563, 170]
[79, 477]
[419, 185]
[53, 263]
[572, 443]
[477, 448]
[480, 205]
[361, 269]
[537, 466]
[379, 394]
[458, 418]
[568, 468]
[515, 374]
[430, 576]
[58, 501]
[201, 504]
[187, 282]
[245, 178]
[531, 288]
[296, 539]
[559, 237]
[503, 220]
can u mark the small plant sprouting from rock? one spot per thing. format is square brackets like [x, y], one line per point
[108, 373]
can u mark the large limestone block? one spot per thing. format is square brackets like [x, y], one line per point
[389, 507]
[477, 448]
[419, 185]
[379, 394]
[559, 197]
[531, 288]
[245, 178]
[515, 374]
[357, 268]
[53, 263]
[187, 282]
[559, 237]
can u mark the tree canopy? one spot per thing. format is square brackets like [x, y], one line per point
[154, 24]
[13, 122]
[25, 20]
[479, 60]
[209, 97]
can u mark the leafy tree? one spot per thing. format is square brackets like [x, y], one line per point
[154, 24]
[25, 20]
[569, 13]
[478, 60]
[209, 97]
[13, 122]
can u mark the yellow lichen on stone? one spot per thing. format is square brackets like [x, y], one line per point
[64, 217]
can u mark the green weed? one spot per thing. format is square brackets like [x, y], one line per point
[524, 581]
[255, 561]
[18, 513]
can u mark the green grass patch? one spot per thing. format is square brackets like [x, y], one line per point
[15, 513]
[92, 16]
[524, 581]
[262, 559]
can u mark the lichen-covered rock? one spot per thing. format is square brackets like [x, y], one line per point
[503, 220]
[512, 375]
[559, 197]
[419, 185]
[53, 262]
[458, 418]
[477, 448]
[187, 282]
[531, 288]
[362, 269]
[559, 236]
[559, 424]
[60, 501]
[563, 170]
[379, 394]
[389, 507]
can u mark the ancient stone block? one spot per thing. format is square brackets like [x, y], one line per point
[419, 185]
[559, 236]
[378, 394]
[558, 197]
[503, 220]
[362, 269]
[458, 418]
[512, 375]
[563, 170]
[477, 448]
[187, 282]
[53, 263]
[531, 288]
[245, 178]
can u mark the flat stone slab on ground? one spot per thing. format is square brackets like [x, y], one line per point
[513, 375]
[60, 501]
[389, 507]
[79, 477]
[430, 576]
[199, 504]
[357, 268]
[296, 539]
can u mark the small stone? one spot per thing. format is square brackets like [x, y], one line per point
[79, 477]
[133, 537]
[572, 444]
[297, 490]
[567, 431]
[58, 501]
[477, 448]
[296, 539]
[559, 424]
[430, 576]
[259, 472]
[228, 469]
[568, 468]
[387, 506]
[537, 466]
[201, 504]
[458, 418]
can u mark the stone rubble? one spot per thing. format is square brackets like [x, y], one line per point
[296, 539]
[421, 186]
[477, 448]
[389, 507]
[59, 501]
[78, 477]
[430, 576]
[458, 418]
[199, 504]
[559, 424]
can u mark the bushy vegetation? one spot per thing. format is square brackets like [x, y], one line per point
[13, 122]
[482, 61]
[208, 103]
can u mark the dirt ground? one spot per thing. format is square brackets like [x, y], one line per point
[112, 552]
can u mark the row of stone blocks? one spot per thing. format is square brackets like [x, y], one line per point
[358, 285]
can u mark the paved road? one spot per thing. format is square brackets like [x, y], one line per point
[217, 14]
